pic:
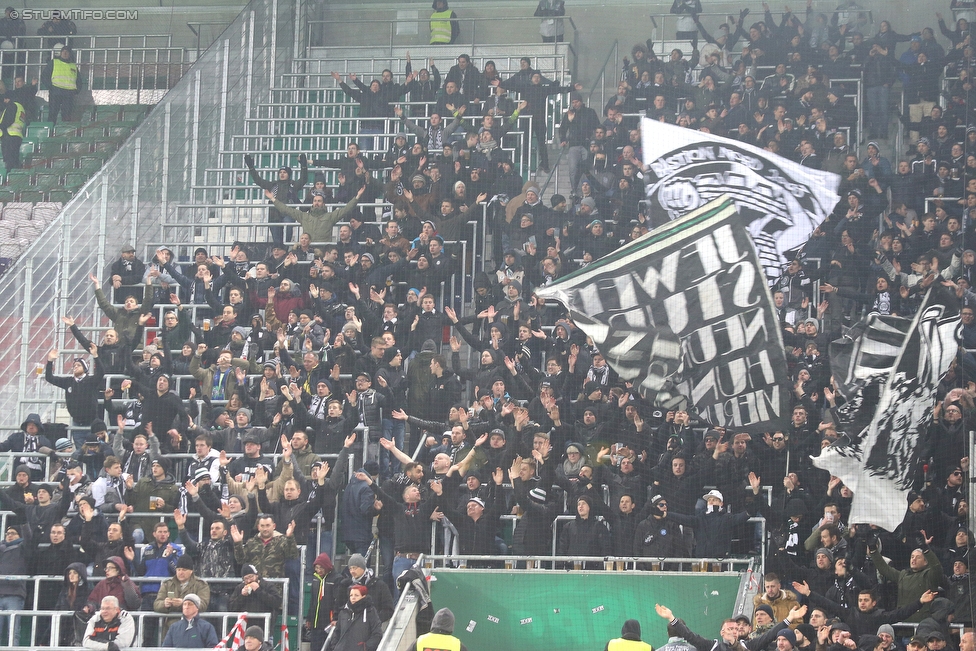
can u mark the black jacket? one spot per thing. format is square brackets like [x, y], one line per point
[703, 644]
[81, 396]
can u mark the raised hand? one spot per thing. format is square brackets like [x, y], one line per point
[801, 588]
[236, 534]
[754, 482]
[664, 612]
[68, 320]
[797, 613]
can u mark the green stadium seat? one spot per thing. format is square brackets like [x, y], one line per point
[121, 129]
[89, 167]
[79, 145]
[52, 146]
[95, 158]
[63, 129]
[48, 178]
[39, 129]
[74, 180]
[30, 196]
[19, 178]
[108, 112]
[6, 196]
[62, 196]
[134, 111]
[63, 164]
[107, 145]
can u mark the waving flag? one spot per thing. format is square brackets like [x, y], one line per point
[877, 453]
[685, 314]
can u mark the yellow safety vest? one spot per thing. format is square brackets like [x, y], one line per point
[621, 644]
[438, 642]
[64, 75]
[20, 120]
[440, 27]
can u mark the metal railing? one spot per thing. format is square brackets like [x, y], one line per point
[316, 73]
[140, 616]
[214, 29]
[106, 67]
[413, 32]
[155, 169]
[608, 563]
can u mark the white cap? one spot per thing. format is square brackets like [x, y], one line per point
[714, 493]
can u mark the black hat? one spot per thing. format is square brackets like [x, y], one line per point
[184, 562]
[248, 569]
[98, 426]
[590, 387]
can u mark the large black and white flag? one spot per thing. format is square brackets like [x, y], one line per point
[888, 407]
[860, 363]
[780, 202]
[685, 314]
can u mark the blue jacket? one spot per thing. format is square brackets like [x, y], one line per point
[357, 512]
[153, 563]
[201, 636]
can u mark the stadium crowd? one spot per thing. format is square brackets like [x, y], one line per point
[270, 359]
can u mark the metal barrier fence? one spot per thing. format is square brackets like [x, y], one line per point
[227, 619]
[138, 187]
[609, 563]
[413, 32]
[106, 67]
[316, 73]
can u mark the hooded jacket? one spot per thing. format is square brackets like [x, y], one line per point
[321, 607]
[629, 632]
[379, 592]
[14, 557]
[358, 627]
[120, 586]
[22, 442]
[74, 596]
[585, 536]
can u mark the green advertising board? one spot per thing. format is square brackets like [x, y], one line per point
[573, 611]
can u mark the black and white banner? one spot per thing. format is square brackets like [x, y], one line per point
[685, 314]
[877, 452]
[780, 202]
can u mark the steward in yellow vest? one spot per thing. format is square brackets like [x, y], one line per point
[630, 638]
[440, 637]
[13, 121]
[61, 78]
[444, 28]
